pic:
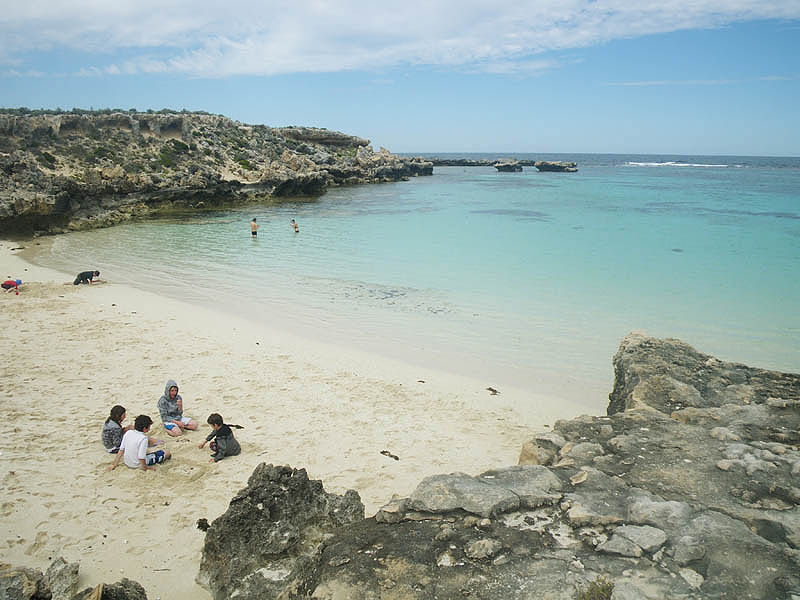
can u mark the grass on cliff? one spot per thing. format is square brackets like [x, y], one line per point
[600, 589]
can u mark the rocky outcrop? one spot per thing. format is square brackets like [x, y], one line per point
[689, 488]
[271, 532]
[474, 162]
[508, 166]
[59, 582]
[65, 171]
[556, 166]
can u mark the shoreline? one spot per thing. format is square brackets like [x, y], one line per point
[307, 404]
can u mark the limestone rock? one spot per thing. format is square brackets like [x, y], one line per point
[508, 166]
[124, 589]
[446, 493]
[62, 579]
[557, 166]
[271, 527]
[620, 545]
[647, 538]
[533, 485]
[687, 550]
[80, 171]
[658, 496]
[20, 583]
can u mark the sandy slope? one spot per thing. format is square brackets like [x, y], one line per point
[71, 352]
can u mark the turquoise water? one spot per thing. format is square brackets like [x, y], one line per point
[526, 279]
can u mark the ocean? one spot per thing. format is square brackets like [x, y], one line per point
[522, 279]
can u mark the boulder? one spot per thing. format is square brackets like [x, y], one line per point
[272, 527]
[459, 491]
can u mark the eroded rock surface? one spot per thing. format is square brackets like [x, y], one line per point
[271, 530]
[689, 488]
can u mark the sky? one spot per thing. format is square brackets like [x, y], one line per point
[695, 77]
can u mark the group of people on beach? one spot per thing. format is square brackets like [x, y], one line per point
[254, 227]
[133, 445]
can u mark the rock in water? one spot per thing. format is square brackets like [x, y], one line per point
[556, 166]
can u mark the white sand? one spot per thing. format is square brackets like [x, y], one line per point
[71, 352]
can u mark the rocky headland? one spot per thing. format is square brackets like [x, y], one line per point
[688, 488]
[64, 171]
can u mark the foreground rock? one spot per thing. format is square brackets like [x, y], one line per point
[60, 582]
[556, 166]
[271, 533]
[689, 488]
[61, 171]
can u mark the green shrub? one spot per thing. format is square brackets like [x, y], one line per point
[600, 589]
[170, 153]
[47, 159]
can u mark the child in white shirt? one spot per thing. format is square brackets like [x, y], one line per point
[134, 446]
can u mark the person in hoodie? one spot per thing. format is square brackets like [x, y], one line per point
[170, 407]
[224, 444]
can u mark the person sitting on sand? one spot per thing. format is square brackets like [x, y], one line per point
[224, 444]
[11, 284]
[295, 226]
[170, 407]
[253, 227]
[133, 448]
[113, 430]
[88, 277]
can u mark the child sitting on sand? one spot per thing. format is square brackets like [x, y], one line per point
[113, 430]
[224, 444]
[170, 407]
[133, 448]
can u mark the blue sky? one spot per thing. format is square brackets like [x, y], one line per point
[700, 77]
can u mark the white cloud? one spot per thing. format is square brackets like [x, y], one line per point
[217, 39]
[666, 82]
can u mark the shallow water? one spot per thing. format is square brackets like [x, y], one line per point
[526, 279]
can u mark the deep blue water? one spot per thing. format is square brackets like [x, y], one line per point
[527, 279]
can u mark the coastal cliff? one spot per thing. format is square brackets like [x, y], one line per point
[79, 170]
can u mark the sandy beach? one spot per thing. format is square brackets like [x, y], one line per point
[71, 352]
